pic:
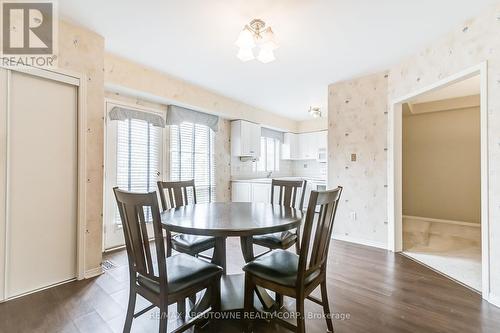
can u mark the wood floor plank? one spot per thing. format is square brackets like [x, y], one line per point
[380, 292]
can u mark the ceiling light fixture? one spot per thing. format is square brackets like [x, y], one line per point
[256, 34]
[315, 112]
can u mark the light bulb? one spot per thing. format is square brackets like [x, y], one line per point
[266, 55]
[268, 40]
[245, 39]
[245, 54]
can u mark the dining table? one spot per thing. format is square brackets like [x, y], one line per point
[232, 219]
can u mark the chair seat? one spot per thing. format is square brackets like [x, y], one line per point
[279, 240]
[183, 271]
[192, 244]
[278, 266]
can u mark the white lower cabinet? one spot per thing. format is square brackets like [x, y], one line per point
[241, 192]
[261, 193]
[250, 192]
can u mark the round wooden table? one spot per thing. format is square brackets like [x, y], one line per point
[233, 219]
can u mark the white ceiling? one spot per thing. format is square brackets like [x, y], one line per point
[321, 41]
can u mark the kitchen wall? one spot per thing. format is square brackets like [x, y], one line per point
[467, 45]
[442, 165]
[358, 125]
[244, 170]
[309, 168]
[125, 76]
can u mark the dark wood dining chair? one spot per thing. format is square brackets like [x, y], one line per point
[175, 194]
[288, 190]
[159, 279]
[295, 275]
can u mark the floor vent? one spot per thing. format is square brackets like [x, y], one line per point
[107, 265]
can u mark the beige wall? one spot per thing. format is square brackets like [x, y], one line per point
[82, 50]
[357, 125]
[441, 165]
[467, 45]
[124, 75]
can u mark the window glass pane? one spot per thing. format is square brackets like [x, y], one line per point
[192, 157]
[277, 154]
[270, 154]
[261, 163]
[138, 157]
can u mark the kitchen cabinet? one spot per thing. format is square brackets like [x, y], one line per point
[241, 192]
[290, 147]
[245, 139]
[261, 193]
[304, 146]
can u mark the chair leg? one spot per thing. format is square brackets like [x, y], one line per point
[163, 317]
[301, 325]
[130, 309]
[326, 307]
[279, 300]
[248, 307]
[297, 242]
[192, 300]
[181, 308]
[169, 244]
[215, 302]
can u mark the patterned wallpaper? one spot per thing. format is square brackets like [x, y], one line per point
[358, 124]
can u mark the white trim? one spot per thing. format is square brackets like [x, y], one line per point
[82, 177]
[90, 273]
[394, 165]
[428, 219]
[366, 242]
[495, 300]
[37, 290]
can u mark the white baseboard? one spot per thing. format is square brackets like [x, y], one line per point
[361, 241]
[494, 299]
[93, 272]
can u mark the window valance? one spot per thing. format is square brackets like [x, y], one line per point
[121, 113]
[269, 133]
[177, 114]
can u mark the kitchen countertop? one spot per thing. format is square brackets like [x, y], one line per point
[268, 180]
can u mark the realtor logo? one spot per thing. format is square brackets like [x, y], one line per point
[28, 28]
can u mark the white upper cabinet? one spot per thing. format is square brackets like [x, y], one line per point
[290, 147]
[304, 146]
[245, 138]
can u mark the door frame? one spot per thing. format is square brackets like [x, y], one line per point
[79, 80]
[395, 169]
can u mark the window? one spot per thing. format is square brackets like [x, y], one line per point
[138, 155]
[192, 157]
[269, 155]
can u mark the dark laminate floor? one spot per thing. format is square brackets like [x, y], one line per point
[380, 291]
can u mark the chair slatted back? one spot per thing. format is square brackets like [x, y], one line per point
[288, 192]
[177, 193]
[315, 243]
[131, 207]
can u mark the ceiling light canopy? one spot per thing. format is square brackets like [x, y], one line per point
[254, 35]
[315, 112]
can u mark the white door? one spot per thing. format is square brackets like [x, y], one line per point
[40, 133]
[134, 160]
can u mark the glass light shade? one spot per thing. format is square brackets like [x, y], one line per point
[268, 40]
[245, 54]
[245, 39]
[266, 55]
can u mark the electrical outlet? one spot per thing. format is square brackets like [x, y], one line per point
[353, 216]
[353, 157]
